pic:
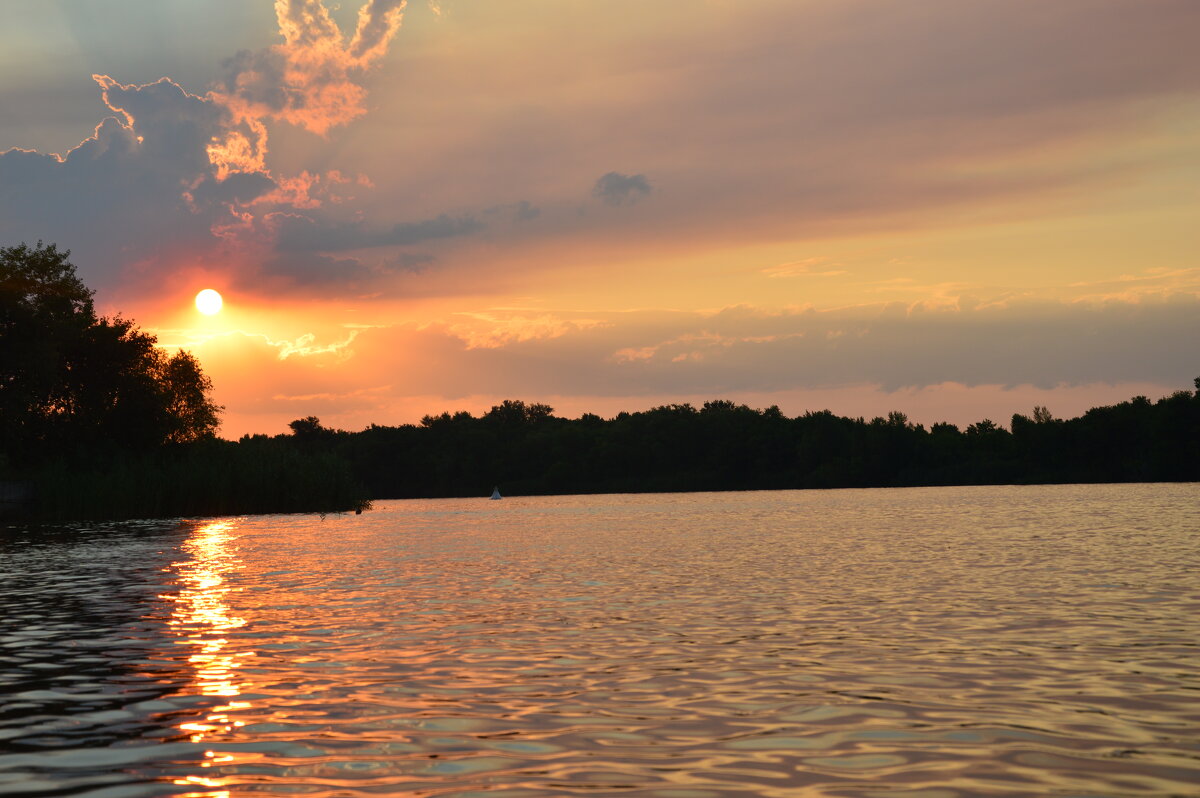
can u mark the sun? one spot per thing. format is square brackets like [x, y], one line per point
[208, 302]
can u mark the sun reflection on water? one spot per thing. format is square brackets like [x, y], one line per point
[202, 619]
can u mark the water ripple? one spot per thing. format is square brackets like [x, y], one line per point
[928, 643]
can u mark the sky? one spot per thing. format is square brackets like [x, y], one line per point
[953, 209]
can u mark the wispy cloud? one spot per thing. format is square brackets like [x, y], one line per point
[492, 330]
[809, 267]
[306, 346]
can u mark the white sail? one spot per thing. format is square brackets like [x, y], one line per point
[496, 492]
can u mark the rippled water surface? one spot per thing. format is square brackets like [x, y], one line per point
[926, 642]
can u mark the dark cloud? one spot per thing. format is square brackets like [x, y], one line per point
[526, 212]
[523, 211]
[301, 233]
[142, 182]
[268, 88]
[615, 188]
[410, 262]
[314, 273]
[173, 177]
[238, 188]
[310, 270]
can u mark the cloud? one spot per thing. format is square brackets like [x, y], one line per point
[807, 138]
[410, 262]
[745, 349]
[523, 211]
[615, 188]
[297, 233]
[238, 189]
[174, 178]
[526, 212]
[141, 184]
[809, 267]
[320, 273]
[815, 119]
[312, 80]
[306, 346]
[498, 330]
[315, 274]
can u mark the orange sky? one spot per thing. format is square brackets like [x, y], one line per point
[953, 209]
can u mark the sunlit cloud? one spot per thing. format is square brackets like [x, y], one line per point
[303, 346]
[492, 330]
[311, 79]
[809, 267]
[306, 346]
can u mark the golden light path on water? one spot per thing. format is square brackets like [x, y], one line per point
[203, 618]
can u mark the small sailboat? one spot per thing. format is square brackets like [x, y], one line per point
[496, 493]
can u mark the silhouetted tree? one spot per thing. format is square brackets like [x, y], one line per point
[72, 383]
[515, 413]
[307, 428]
[185, 387]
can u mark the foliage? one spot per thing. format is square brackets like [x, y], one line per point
[525, 449]
[72, 383]
[102, 424]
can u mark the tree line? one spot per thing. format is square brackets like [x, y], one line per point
[526, 449]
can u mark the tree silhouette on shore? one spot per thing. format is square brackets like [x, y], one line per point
[71, 381]
[727, 446]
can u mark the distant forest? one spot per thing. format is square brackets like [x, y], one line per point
[525, 449]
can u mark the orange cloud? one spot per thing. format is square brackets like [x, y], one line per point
[494, 330]
[310, 80]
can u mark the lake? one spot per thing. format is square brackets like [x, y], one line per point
[927, 643]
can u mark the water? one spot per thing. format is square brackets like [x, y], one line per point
[928, 642]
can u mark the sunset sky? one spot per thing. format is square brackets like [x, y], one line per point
[957, 209]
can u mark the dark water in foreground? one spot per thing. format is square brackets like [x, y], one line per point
[926, 642]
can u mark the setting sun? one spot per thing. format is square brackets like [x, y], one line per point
[208, 302]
